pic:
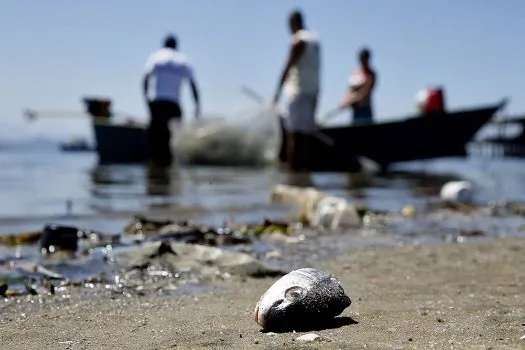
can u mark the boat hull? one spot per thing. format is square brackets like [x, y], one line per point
[121, 144]
[69, 148]
[422, 137]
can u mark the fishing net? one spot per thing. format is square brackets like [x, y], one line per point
[251, 137]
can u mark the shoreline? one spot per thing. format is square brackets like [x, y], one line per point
[448, 295]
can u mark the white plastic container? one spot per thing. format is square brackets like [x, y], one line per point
[458, 191]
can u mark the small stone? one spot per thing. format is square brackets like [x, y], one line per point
[309, 337]
[522, 337]
[440, 320]
[410, 339]
[271, 334]
[256, 341]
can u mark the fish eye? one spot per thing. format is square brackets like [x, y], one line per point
[294, 293]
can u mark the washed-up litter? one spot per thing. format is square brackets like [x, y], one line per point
[318, 208]
[321, 210]
[157, 249]
[202, 251]
[185, 231]
[17, 239]
[300, 299]
[207, 261]
[458, 192]
[309, 337]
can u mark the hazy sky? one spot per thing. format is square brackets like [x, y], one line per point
[54, 52]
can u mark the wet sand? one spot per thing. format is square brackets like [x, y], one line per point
[443, 296]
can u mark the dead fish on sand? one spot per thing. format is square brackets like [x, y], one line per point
[300, 298]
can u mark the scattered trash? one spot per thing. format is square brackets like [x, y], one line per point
[59, 238]
[333, 213]
[23, 238]
[458, 191]
[194, 248]
[318, 208]
[408, 211]
[206, 261]
[309, 337]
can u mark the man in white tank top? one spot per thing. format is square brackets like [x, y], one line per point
[166, 69]
[301, 81]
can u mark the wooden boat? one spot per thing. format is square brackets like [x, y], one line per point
[117, 143]
[121, 143]
[415, 138]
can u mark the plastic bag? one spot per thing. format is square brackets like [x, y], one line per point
[250, 138]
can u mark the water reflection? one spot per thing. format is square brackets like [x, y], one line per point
[126, 188]
[130, 187]
[356, 182]
[162, 184]
[421, 184]
[299, 179]
[158, 181]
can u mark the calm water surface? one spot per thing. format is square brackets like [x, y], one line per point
[37, 182]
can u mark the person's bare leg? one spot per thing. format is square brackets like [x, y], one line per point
[296, 163]
[290, 150]
[305, 151]
[298, 151]
[306, 144]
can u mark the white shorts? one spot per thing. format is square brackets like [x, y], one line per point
[301, 113]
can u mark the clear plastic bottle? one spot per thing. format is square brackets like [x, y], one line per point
[335, 213]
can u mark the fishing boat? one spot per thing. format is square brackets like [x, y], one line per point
[117, 141]
[436, 135]
[77, 145]
[502, 142]
[122, 142]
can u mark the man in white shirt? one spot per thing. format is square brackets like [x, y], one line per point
[301, 81]
[165, 69]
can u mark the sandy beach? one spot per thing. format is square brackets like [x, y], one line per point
[443, 296]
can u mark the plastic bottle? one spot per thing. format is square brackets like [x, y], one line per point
[458, 191]
[334, 213]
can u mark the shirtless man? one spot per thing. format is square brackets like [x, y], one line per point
[301, 80]
[361, 86]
